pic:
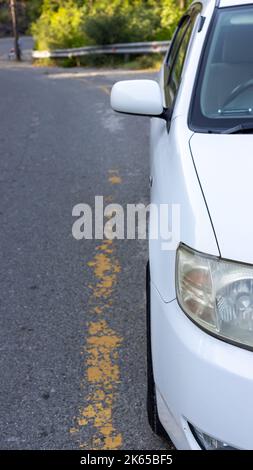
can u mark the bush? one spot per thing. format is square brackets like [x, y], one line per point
[59, 26]
[144, 24]
[74, 23]
[138, 24]
[103, 29]
[5, 20]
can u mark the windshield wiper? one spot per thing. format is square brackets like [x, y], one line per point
[245, 127]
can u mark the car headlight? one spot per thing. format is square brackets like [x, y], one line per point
[207, 442]
[216, 294]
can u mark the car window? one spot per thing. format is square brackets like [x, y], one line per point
[223, 97]
[176, 41]
[177, 54]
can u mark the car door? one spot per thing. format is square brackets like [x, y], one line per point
[163, 153]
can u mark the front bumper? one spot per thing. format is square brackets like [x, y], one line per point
[199, 379]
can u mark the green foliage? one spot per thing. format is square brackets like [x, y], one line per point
[122, 21]
[169, 13]
[4, 14]
[33, 10]
[143, 23]
[27, 12]
[135, 25]
[5, 19]
[73, 23]
[106, 29]
[60, 25]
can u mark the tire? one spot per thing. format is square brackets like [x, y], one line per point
[152, 411]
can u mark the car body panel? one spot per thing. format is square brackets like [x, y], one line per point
[231, 3]
[175, 182]
[224, 168]
[173, 174]
[201, 380]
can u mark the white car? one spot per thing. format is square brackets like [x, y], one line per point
[200, 295]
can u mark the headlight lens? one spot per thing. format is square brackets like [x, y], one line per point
[207, 442]
[216, 294]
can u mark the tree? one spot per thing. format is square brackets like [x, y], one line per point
[60, 25]
[32, 10]
[73, 23]
[13, 9]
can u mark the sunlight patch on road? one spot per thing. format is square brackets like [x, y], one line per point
[96, 73]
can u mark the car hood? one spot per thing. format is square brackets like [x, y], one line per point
[224, 164]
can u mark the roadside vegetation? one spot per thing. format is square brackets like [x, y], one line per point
[27, 12]
[56, 24]
[74, 23]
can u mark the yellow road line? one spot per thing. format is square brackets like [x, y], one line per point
[101, 355]
[105, 89]
[103, 374]
[114, 177]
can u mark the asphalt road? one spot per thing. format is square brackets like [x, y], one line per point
[72, 313]
[6, 44]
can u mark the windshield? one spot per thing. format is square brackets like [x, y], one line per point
[224, 91]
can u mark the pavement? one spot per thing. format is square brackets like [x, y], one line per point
[26, 43]
[72, 312]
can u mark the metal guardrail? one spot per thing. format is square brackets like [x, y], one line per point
[128, 48]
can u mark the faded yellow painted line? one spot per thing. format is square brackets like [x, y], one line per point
[101, 356]
[105, 89]
[114, 177]
[104, 375]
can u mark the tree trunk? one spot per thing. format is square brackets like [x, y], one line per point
[13, 8]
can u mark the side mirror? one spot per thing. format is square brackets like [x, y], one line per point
[139, 97]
